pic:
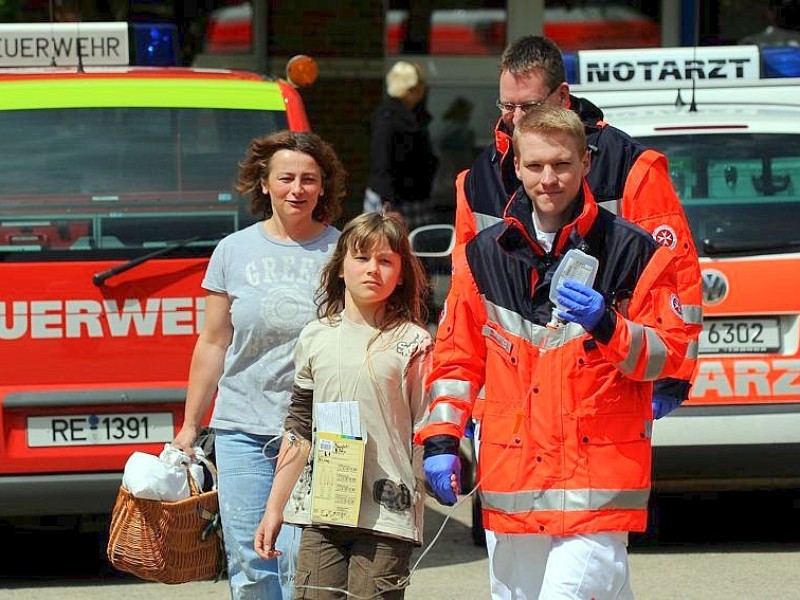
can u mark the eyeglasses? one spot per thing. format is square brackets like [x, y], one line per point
[510, 107]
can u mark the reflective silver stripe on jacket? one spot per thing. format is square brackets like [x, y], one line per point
[445, 412]
[611, 206]
[692, 314]
[517, 325]
[564, 500]
[654, 347]
[455, 388]
[485, 221]
[693, 350]
[656, 355]
[628, 365]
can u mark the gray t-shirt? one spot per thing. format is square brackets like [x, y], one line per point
[271, 284]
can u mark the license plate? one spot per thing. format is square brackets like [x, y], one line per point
[737, 336]
[100, 429]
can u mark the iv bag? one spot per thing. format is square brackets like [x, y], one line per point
[576, 266]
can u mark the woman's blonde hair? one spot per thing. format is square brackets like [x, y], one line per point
[402, 77]
[362, 234]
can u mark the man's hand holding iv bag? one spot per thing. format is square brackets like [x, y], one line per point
[585, 306]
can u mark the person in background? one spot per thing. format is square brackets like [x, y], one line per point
[402, 162]
[455, 143]
[260, 285]
[565, 454]
[369, 345]
[783, 28]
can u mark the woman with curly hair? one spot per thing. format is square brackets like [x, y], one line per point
[260, 285]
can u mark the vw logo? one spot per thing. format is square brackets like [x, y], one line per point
[715, 286]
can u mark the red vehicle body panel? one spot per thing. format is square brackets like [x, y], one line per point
[70, 347]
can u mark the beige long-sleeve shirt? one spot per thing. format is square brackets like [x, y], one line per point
[345, 361]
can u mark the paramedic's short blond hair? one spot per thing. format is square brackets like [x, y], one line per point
[549, 119]
[402, 77]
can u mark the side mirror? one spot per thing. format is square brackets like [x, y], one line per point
[433, 241]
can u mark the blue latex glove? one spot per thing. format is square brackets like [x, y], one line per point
[469, 430]
[438, 470]
[585, 305]
[663, 405]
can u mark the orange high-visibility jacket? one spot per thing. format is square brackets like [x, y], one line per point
[626, 178]
[566, 417]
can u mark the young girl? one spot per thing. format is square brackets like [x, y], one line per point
[369, 345]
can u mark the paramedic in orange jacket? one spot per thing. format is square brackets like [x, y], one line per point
[626, 177]
[564, 463]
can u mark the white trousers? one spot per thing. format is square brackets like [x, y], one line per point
[542, 567]
[591, 566]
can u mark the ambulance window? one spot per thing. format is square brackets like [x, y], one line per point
[113, 151]
[745, 179]
[159, 230]
[105, 182]
[741, 188]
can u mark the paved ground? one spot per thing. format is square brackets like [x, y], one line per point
[454, 568]
[750, 557]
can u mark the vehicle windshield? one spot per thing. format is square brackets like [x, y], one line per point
[740, 191]
[95, 183]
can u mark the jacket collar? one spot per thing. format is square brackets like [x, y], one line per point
[589, 114]
[502, 140]
[519, 232]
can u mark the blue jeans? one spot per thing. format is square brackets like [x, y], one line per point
[245, 480]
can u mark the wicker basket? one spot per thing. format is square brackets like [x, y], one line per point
[170, 542]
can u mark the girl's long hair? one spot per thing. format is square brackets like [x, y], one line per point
[407, 303]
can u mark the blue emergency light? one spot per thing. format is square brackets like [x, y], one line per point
[155, 44]
[780, 61]
[571, 64]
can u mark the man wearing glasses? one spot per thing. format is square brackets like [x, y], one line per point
[625, 177]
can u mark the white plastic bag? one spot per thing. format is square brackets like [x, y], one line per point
[177, 458]
[162, 477]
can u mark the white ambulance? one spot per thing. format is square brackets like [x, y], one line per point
[728, 119]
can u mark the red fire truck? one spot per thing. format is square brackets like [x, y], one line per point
[117, 183]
